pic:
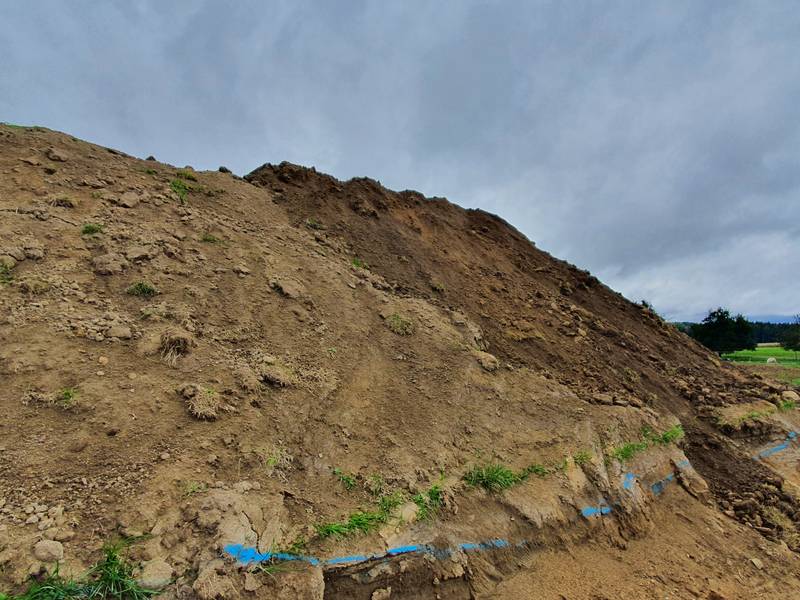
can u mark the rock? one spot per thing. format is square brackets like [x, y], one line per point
[251, 582]
[288, 288]
[488, 361]
[9, 262]
[757, 563]
[135, 253]
[155, 574]
[122, 332]
[772, 360]
[34, 251]
[790, 396]
[48, 551]
[602, 398]
[57, 155]
[241, 270]
[224, 170]
[212, 583]
[382, 593]
[109, 264]
[103, 360]
[128, 200]
[16, 253]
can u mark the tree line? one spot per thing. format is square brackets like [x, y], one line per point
[722, 332]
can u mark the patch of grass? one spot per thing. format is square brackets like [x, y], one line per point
[65, 397]
[429, 502]
[581, 458]
[786, 358]
[110, 579]
[629, 450]
[357, 522]
[91, 229]
[389, 502]
[492, 477]
[673, 434]
[142, 289]
[348, 480]
[360, 264]
[787, 405]
[186, 174]
[375, 484]
[537, 469]
[210, 239]
[399, 325]
[194, 487]
[6, 277]
[180, 188]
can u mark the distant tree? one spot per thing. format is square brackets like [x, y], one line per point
[791, 337]
[721, 332]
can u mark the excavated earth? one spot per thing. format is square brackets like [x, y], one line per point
[220, 366]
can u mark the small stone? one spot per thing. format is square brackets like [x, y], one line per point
[103, 360]
[790, 396]
[48, 551]
[109, 264]
[128, 200]
[32, 519]
[382, 593]
[241, 270]
[488, 361]
[164, 456]
[155, 574]
[757, 563]
[57, 155]
[122, 332]
[601, 398]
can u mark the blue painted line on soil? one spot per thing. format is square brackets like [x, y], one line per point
[246, 556]
[785, 445]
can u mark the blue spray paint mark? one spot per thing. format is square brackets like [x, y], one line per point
[246, 556]
[629, 480]
[790, 437]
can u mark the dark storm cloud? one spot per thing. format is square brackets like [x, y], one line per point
[656, 144]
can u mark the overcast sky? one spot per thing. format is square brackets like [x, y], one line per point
[655, 143]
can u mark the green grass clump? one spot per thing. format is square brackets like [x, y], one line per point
[649, 438]
[110, 579]
[428, 503]
[66, 396]
[142, 289]
[787, 405]
[186, 174]
[210, 239]
[179, 187]
[360, 264]
[629, 450]
[357, 522]
[399, 325]
[582, 457]
[6, 276]
[348, 480]
[673, 434]
[91, 229]
[492, 477]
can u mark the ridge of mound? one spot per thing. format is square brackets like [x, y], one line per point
[298, 387]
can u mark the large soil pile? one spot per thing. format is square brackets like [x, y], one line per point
[295, 387]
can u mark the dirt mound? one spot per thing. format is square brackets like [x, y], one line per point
[288, 386]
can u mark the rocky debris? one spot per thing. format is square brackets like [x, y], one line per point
[122, 332]
[109, 264]
[155, 574]
[790, 396]
[488, 361]
[289, 288]
[140, 253]
[241, 270]
[57, 155]
[128, 200]
[382, 593]
[49, 551]
[213, 583]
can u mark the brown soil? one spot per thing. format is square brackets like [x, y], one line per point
[306, 345]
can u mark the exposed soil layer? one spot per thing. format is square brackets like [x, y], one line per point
[292, 364]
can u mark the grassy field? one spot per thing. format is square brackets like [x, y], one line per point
[762, 353]
[789, 360]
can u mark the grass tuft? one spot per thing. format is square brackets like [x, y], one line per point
[91, 229]
[428, 503]
[6, 277]
[348, 480]
[142, 289]
[360, 264]
[492, 477]
[399, 325]
[65, 397]
[186, 174]
[110, 579]
[210, 239]
[180, 188]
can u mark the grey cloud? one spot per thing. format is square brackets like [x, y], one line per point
[656, 144]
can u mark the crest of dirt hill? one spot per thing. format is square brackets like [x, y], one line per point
[213, 360]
